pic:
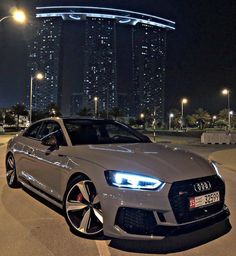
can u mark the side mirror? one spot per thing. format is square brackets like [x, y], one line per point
[50, 141]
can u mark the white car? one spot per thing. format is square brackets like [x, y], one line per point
[109, 179]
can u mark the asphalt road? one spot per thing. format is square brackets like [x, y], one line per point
[30, 227]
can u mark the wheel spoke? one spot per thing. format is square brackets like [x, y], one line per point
[85, 222]
[9, 172]
[74, 206]
[96, 200]
[84, 190]
[98, 214]
[12, 177]
[11, 163]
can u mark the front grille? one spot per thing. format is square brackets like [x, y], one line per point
[181, 191]
[136, 221]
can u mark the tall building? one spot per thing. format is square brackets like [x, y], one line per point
[95, 71]
[76, 103]
[149, 58]
[100, 63]
[44, 56]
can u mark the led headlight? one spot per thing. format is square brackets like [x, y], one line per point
[132, 181]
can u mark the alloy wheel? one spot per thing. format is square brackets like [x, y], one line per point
[11, 172]
[83, 209]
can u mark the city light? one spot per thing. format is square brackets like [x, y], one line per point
[226, 92]
[171, 115]
[19, 16]
[95, 106]
[183, 101]
[142, 115]
[39, 76]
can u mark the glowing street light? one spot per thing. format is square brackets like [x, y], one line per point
[171, 115]
[142, 115]
[18, 15]
[38, 76]
[95, 106]
[183, 102]
[226, 92]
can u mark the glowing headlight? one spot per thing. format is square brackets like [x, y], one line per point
[132, 181]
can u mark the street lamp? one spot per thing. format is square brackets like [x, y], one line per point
[183, 101]
[171, 115]
[227, 92]
[17, 15]
[38, 76]
[95, 106]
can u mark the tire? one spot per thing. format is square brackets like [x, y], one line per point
[11, 176]
[82, 208]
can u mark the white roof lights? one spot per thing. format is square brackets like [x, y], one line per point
[121, 16]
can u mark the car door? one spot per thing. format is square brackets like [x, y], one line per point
[51, 168]
[25, 154]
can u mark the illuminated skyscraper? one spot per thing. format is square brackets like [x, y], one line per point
[44, 56]
[149, 52]
[79, 66]
[100, 63]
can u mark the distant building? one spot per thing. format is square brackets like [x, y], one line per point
[100, 63]
[76, 103]
[149, 59]
[99, 41]
[44, 56]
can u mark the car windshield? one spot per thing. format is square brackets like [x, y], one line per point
[101, 132]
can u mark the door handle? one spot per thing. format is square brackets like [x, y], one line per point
[61, 155]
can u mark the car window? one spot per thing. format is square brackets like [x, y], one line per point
[32, 131]
[99, 132]
[52, 128]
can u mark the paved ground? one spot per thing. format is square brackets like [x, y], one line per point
[29, 227]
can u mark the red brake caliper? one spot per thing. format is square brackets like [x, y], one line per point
[79, 197]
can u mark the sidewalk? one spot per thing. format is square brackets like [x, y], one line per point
[225, 157]
[4, 139]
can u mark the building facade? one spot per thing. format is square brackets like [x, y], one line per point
[145, 90]
[44, 56]
[149, 57]
[100, 64]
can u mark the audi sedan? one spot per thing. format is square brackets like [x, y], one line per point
[110, 179]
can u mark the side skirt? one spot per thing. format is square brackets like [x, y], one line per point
[42, 194]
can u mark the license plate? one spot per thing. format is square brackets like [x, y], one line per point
[199, 201]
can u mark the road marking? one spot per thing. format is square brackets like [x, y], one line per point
[102, 248]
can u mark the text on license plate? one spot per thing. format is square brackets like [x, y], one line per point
[198, 201]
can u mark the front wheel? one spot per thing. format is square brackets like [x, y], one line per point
[82, 208]
[11, 172]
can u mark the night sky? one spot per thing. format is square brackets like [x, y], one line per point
[201, 52]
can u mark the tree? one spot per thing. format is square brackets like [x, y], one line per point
[19, 110]
[116, 112]
[202, 117]
[85, 112]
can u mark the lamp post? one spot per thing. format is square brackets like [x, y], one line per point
[227, 92]
[183, 101]
[95, 106]
[171, 115]
[38, 76]
[17, 15]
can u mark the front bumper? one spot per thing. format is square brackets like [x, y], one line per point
[145, 215]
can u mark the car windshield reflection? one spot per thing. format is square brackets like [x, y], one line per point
[101, 132]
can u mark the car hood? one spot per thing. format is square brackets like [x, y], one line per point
[165, 163]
